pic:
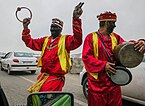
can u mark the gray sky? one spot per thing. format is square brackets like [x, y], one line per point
[130, 22]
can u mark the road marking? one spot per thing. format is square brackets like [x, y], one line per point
[75, 100]
[80, 102]
[27, 79]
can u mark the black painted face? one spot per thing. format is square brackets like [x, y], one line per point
[55, 30]
[110, 26]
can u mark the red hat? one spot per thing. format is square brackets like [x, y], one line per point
[107, 16]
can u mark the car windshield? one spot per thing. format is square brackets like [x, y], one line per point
[22, 54]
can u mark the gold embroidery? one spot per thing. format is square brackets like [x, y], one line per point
[76, 25]
[26, 34]
[51, 46]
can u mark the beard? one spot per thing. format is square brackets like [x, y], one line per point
[55, 34]
[110, 29]
[55, 31]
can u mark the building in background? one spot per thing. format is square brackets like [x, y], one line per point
[77, 64]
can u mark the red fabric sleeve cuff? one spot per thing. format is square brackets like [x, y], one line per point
[77, 22]
[26, 31]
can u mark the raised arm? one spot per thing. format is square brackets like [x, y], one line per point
[34, 44]
[75, 40]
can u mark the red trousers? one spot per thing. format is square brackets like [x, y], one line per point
[112, 98]
[53, 83]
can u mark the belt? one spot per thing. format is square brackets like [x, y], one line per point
[58, 76]
[46, 74]
[36, 86]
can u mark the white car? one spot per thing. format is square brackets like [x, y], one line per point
[134, 91]
[19, 61]
[2, 54]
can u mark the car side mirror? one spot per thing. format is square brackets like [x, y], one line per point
[50, 99]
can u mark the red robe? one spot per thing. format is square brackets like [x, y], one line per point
[50, 59]
[101, 92]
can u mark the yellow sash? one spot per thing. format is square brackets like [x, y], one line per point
[64, 59]
[64, 56]
[95, 48]
[36, 86]
[43, 49]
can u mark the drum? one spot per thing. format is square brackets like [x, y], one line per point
[127, 56]
[122, 76]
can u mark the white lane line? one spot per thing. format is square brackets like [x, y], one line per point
[80, 102]
[75, 100]
[27, 79]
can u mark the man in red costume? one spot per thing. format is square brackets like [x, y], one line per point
[101, 91]
[55, 56]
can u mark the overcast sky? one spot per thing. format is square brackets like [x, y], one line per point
[130, 22]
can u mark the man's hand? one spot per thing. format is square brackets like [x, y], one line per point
[78, 10]
[110, 68]
[26, 22]
[140, 46]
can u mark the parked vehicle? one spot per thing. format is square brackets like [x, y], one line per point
[2, 54]
[134, 91]
[19, 61]
[37, 55]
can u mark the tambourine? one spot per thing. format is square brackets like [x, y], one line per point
[19, 9]
[122, 76]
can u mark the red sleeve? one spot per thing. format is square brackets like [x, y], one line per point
[34, 44]
[75, 40]
[91, 63]
[119, 38]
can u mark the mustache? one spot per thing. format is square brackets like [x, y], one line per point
[110, 29]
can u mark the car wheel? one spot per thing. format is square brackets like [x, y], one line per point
[33, 72]
[1, 68]
[85, 87]
[9, 70]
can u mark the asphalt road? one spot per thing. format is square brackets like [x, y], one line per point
[15, 87]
